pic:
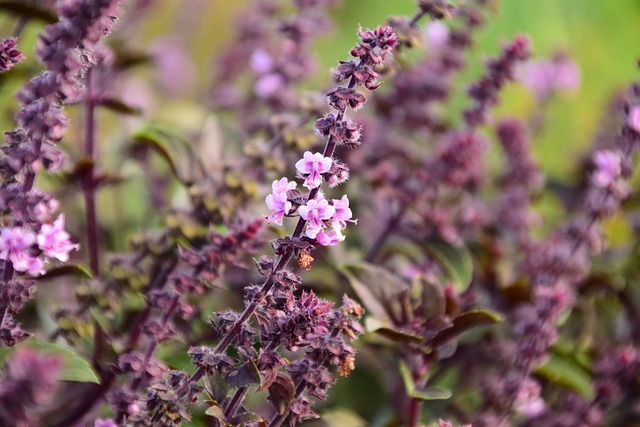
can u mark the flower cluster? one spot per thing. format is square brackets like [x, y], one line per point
[17, 245]
[319, 213]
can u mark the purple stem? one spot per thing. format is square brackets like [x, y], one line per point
[89, 187]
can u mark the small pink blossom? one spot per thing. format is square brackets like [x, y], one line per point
[313, 165]
[14, 245]
[437, 35]
[634, 118]
[261, 61]
[544, 77]
[315, 212]
[55, 241]
[528, 401]
[105, 423]
[277, 200]
[268, 85]
[343, 213]
[608, 167]
[24, 262]
[331, 238]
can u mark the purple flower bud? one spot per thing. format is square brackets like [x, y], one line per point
[9, 54]
[608, 167]
[342, 97]
[633, 119]
[54, 240]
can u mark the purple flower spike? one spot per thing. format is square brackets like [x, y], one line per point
[55, 241]
[315, 212]
[313, 165]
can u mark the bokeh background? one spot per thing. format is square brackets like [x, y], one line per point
[601, 36]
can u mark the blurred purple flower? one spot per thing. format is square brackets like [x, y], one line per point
[436, 35]
[174, 66]
[269, 85]
[261, 61]
[633, 119]
[30, 381]
[608, 166]
[543, 77]
[14, 245]
[55, 241]
[105, 423]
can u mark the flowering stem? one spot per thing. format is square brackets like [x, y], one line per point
[241, 392]
[415, 409]
[89, 187]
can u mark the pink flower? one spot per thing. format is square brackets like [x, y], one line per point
[55, 241]
[437, 35]
[313, 165]
[277, 200]
[634, 118]
[261, 61]
[528, 401]
[105, 423]
[24, 262]
[269, 85]
[544, 77]
[608, 167]
[14, 244]
[331, 238]
[315, 212]
[343, 213]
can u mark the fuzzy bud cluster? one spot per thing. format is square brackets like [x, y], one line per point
[10, 55]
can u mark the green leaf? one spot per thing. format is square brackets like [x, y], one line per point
[565, 371]
[77, 270]
[398, 335]
[380, 291]
[463, 323]
[244, 418]
[246, 375]
[456, 261]
[216, 411]
[217, 387]
[74, 367]
[429, 393]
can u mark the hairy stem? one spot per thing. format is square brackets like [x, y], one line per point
[89, 185]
